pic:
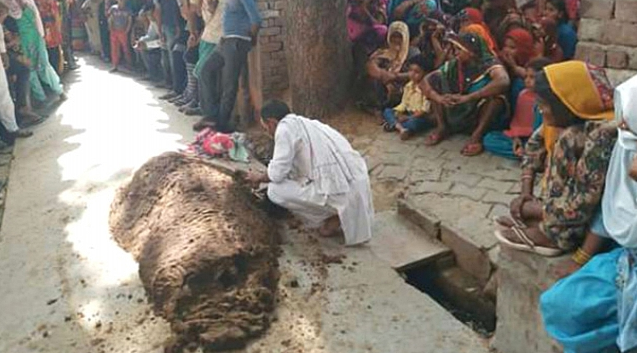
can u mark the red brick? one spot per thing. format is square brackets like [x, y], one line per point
[272, 31]
[599, 9]
[626, 10]
[591, 53]
[616, 59]
[271, 47]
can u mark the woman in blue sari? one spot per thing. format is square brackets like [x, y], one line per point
[413, 13]
[595, 309]
[467, 93]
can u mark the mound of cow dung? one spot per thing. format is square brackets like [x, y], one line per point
[207, 256]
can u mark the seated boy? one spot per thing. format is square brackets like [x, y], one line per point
[410, 116]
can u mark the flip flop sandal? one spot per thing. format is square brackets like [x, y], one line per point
[472, 149]
[389, 128]
[527, 244]
[503, 222]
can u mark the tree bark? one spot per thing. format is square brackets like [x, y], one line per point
[319, 56]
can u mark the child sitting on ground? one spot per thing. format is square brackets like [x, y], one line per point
[410, 116]
[120, 23]
[527, 117]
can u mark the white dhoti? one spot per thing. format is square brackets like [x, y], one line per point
[354, 209]
[7, 109]
[316, 175]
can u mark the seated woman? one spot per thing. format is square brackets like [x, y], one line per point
[386, 69]
[366, 24]
[413, 13]
[594, 309]
[430, 42]
[566, 34]
[518, 50]
[573, 149]
[467, 93]
[545, 36]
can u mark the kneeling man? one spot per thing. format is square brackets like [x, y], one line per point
[317, 175]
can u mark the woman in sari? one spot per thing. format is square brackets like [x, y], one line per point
[545, 35]
[386, 69]
[32, 33]
[572, 149]
[594, 309]
[431, 43]
[517, 52]
[467, 93]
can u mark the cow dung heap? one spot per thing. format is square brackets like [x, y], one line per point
[207, 256]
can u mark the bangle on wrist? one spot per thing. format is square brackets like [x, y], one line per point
[581, 257]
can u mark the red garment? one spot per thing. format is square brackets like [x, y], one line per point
[524, 116]
[51, 21]
[119, 42]
[525, 45]
[475, 15]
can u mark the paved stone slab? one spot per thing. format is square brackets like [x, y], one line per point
[498, 198]
[462, 178]
[401, 244]
[432, 187]
[417, 176]
[393, 172]
[496, 185]
[473, 193]
[420, 217]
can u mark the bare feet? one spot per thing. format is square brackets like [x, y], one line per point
[330, 228]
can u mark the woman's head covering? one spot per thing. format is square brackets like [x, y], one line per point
[15, 8]
[472, 43]
[576, 88]
[396, 57]
[483, 32]
[619, 204]
[525, 45]
[474, 15]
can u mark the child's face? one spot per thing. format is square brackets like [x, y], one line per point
[531, 14]
[550, 11]
[529, 79]
[416, 73]
[510, 47]
[396, 40]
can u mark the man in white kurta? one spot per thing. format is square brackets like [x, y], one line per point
[317, 175]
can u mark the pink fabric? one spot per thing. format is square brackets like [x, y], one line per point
[356, 29]
[523, 118]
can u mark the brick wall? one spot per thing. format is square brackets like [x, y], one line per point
[608, 36]
[274, 70]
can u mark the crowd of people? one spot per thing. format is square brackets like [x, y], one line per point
[505, 75]
[197, 50]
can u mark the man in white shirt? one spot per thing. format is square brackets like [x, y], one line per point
[317, 175]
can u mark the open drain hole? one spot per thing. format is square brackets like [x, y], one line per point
[456, 291]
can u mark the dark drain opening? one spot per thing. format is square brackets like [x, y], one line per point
[458, 292]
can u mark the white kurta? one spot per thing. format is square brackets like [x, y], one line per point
[7, 109]
[316, 174]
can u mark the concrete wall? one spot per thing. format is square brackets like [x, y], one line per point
[608, 37]
[273, 64]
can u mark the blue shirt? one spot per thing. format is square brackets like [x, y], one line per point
[170, 13]
[567, 40]
[238, 18]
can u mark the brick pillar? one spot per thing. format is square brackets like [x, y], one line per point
[272, 38]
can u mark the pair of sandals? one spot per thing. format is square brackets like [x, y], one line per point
[470, 149]
[526, 244]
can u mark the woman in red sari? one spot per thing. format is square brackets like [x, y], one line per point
[52, 21]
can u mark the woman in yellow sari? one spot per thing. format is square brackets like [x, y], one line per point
[573, 149]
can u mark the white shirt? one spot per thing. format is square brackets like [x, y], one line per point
[213, 29]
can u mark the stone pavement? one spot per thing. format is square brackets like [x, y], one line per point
[6, 156]
[452, 196]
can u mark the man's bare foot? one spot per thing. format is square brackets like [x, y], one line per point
[330, 228]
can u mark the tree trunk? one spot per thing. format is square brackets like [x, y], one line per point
[319, 56]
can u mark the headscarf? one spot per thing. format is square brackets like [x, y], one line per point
[576, 88]
[459, 75]
[474, 15]
[15, 9]
[525, 45]
[415, 15]
[619, 204]
[396, 57]
[484, 33]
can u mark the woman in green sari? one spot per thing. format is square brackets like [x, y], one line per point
[467, 93]
[31, 30]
